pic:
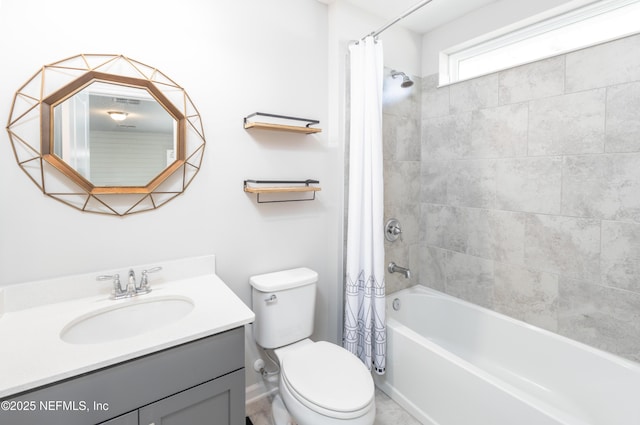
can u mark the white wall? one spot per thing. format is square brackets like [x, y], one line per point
[233, 58]
[481, 21]
[402, 47]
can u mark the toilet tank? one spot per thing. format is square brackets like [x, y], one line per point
[284, 304]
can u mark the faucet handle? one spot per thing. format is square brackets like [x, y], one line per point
[108, 277]
[392, 230]
[117, 288]
[152, 270]
[144, 279]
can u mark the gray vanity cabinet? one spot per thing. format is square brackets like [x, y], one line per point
[197, 383]
[130, 418]
[213, 403]
[217, 402]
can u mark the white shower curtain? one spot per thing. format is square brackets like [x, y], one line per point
[364, 328]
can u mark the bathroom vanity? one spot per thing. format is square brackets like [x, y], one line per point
[187, 371]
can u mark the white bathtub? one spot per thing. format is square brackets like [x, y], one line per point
[450, 362]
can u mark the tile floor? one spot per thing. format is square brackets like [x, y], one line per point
[387, 412]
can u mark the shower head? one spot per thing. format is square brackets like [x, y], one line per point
[406, 81]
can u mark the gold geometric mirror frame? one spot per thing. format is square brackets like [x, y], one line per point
[30, 128]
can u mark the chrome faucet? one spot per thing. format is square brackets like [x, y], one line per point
[132, 289]
[394, 268]
[131, 285]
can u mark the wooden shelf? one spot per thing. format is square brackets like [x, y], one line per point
[282, 189]
[276, 126]
[281, 127]
[286, 186]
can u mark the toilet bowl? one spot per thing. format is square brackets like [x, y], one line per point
[320, 383]
[324, 384]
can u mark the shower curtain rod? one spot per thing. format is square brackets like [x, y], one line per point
[404, 15]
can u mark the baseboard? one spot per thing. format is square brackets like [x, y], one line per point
[257, 392]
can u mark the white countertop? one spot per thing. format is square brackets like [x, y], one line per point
[33, 354]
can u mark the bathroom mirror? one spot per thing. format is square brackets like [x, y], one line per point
[106, 134]
[114, 135]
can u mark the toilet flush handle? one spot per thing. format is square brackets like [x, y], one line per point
[271, 299]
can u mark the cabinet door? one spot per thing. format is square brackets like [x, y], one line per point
[130, 418]
[217, 402]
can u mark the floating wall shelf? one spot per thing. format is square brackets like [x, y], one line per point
[249, 124]
[260, 187]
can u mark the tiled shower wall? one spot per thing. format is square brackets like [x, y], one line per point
[524, 194]
[401, 123]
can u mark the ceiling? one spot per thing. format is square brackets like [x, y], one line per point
[434, 14]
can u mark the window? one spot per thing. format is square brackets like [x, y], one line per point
[595, 23]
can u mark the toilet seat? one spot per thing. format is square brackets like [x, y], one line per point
[329, 380]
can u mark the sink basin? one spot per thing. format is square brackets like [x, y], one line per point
[131, 318]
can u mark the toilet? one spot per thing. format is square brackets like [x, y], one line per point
[320, 383]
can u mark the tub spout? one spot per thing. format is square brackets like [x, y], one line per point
[394, 268]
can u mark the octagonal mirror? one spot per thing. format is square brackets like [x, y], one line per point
[114, 135]
[106, 134]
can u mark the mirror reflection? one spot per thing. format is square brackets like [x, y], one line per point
[114, 135]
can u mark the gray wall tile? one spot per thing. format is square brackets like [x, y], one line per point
[621, 255]
[495, 235]
[401, 182]
[433, 178]
[563, 245]
[528, 192]
[472, 183]
[408, 144]
[532, 81]
[389, 138]
[402, 152]
[569, 124]
[445, 137]
[603, 317]
[527, 294]
[445, 227]
[433, 224]
[602, 186]
[470, 278]
[623, 120]
[604, 65]
[435, 101]
[477, 93]
[529, 184]
[432, 267]
[498, 132]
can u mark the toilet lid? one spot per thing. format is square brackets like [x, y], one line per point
[329, 376]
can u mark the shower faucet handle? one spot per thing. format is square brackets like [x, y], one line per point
[392, 230]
